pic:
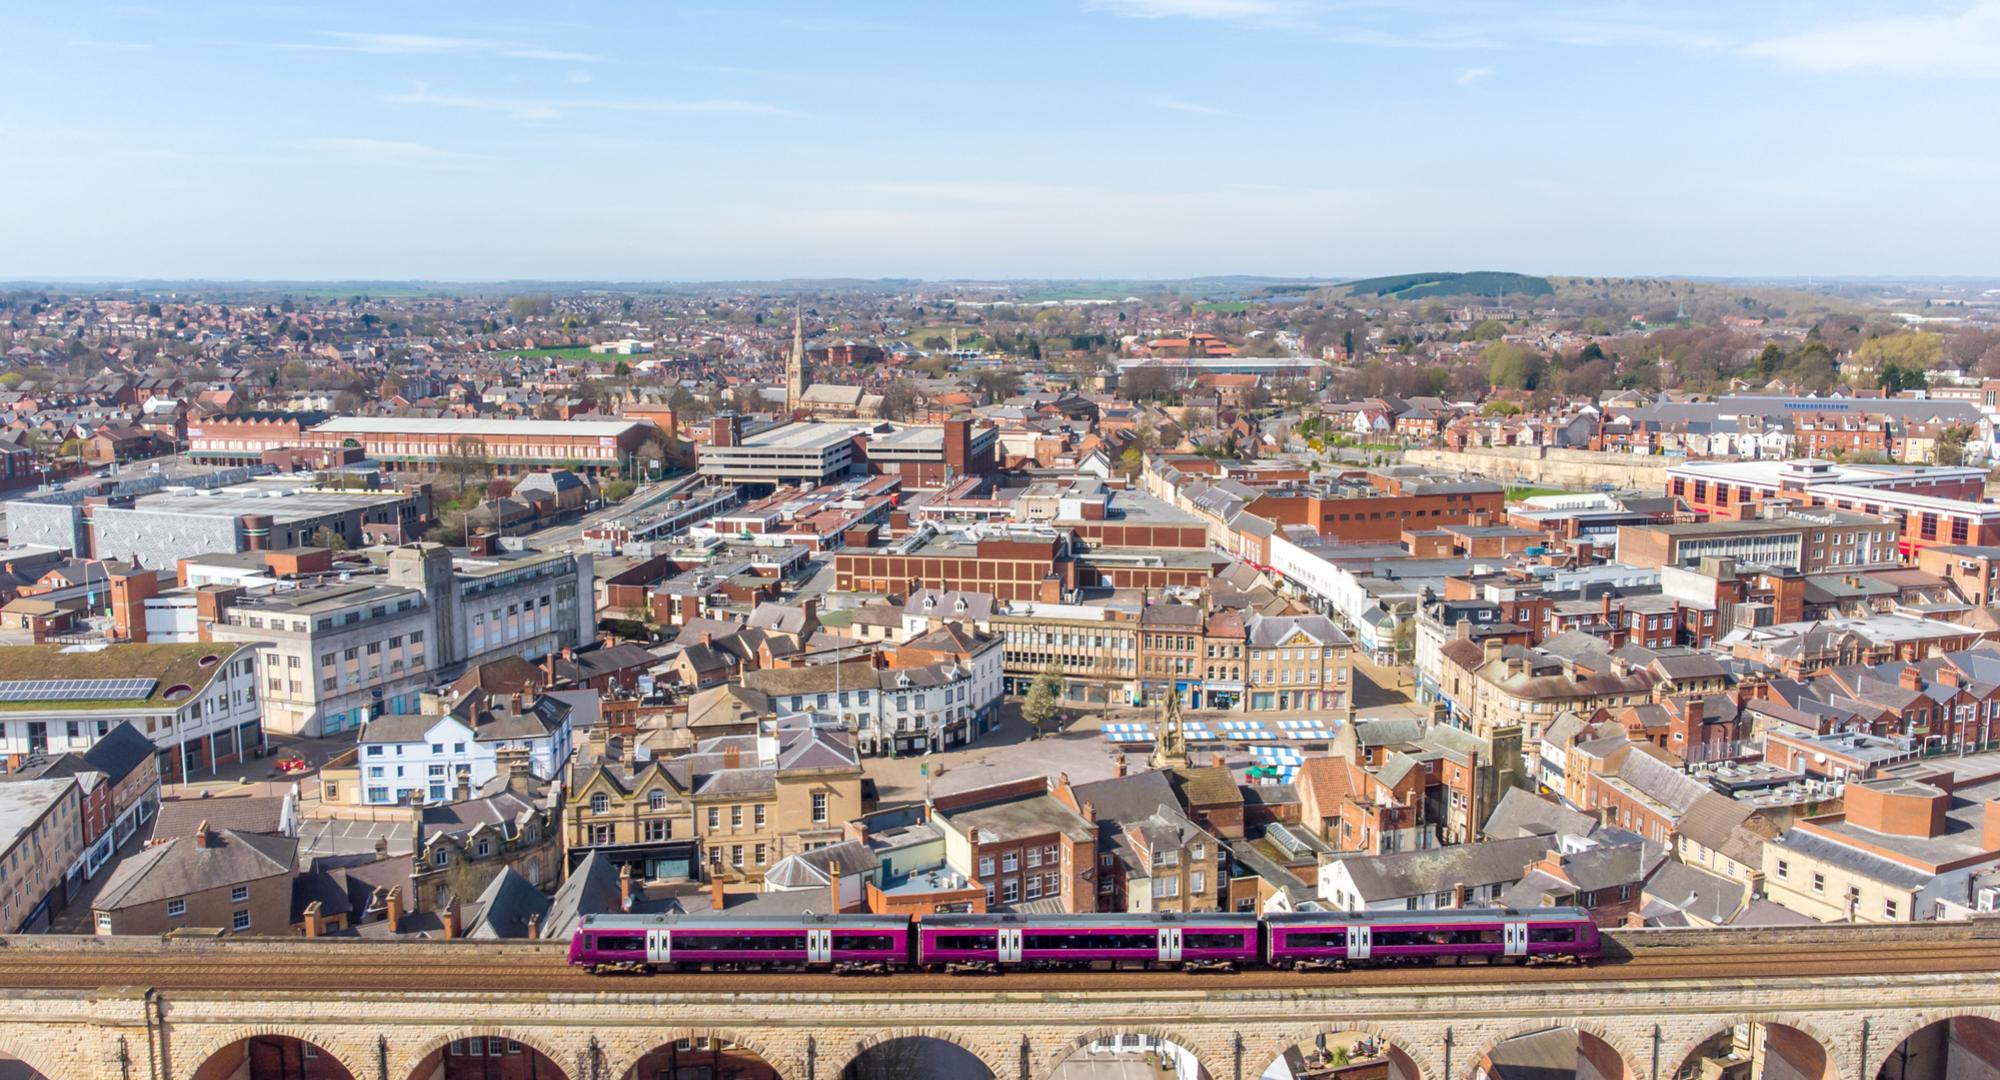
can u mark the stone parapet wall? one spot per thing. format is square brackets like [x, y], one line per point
[1582, 470]
[127, 1034]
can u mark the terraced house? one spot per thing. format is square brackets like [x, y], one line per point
[731, 808]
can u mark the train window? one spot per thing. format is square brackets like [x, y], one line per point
[1330, 938]
[1213, 940]
[1551, 935]
[740, 942]
[621, 943]
[1383, 938]
[1053, 939]
[863, 941]
[967, 941]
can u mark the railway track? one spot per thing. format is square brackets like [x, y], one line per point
[543, 971]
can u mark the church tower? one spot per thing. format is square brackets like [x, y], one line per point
[795, 366]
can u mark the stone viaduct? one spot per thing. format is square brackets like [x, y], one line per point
[1643, 1028]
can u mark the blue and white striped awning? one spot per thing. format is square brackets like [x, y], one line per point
[1128, 736]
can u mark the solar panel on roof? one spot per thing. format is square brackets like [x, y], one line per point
[17, 690]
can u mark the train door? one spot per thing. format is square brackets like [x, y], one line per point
[1360, 942]
[659, 947]
[1170, 943]
[819, 946]
[1010, 945]
[1514, 937]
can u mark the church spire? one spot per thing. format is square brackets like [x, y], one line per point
[795, 365]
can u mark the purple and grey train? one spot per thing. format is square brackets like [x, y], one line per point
[994, 943]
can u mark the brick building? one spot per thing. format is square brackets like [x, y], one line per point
[1022, 843]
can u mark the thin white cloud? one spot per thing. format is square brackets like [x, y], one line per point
[1196, 9]
[1966, 45]
[390, 151]
[381, 44]
[1197, 108]
[394, 44]
[1472, 76]
[977, 192]
[557, 55]
[529, 109]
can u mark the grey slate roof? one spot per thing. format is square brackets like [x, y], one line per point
[506, 906]
[1421, 873]
[180, 867]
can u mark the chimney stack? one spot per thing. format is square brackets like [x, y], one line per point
[1090, 811]
[315, 920]
[381, 847]
[202, 837]
[1119, 766]
[625, 887]
[732, 757]
[393, 909]
[517, 703]
[534, 927]
[715, 900]
[454, 917]
[1458, 895]
[833, 887]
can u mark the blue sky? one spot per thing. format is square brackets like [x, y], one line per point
[954, 138]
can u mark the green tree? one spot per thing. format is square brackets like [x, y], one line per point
[1915, 351]
[900, 400]
[1489, 330]
[466, 460]
[1499, 408]
[1132, 462]
[1512, 366]
[998, 383]
[325, 537]
[1951, 444]
[1042, 709]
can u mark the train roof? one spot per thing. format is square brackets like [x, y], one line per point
[1135, 918]
[1435, 916]
[719, 921]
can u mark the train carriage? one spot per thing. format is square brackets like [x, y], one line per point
[1492, 935]
[998, 942]
[994, 942]
[679, 942]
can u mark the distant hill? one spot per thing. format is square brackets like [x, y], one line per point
[1477, 283]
